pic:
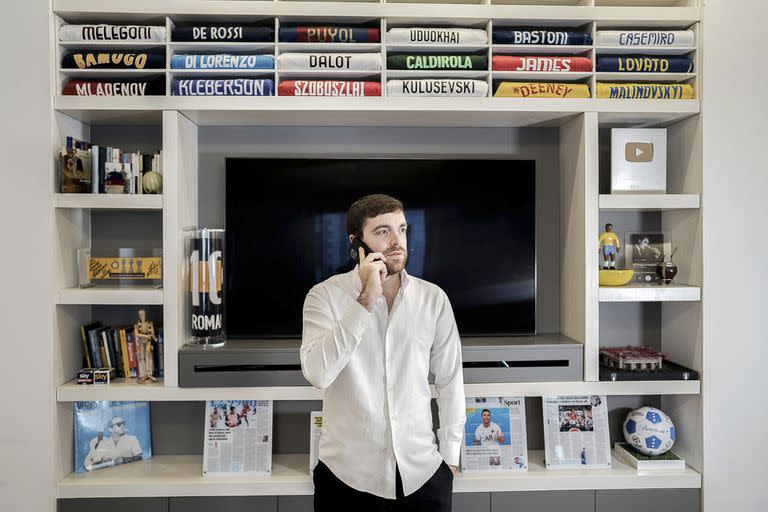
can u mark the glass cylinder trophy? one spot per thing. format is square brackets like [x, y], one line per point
[205, 290]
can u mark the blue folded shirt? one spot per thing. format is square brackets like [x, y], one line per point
[223, 87]
[222, 61]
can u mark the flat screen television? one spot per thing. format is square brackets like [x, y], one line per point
[471, 231]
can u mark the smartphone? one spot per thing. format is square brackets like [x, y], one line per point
[354, 252]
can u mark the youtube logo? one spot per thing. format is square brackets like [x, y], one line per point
[638, 152]
[638, 160]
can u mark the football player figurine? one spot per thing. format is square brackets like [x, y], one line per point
[609, 245]
[144, 332]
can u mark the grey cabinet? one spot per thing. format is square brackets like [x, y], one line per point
[543, 501]
[113, 505]
[643, 500]
[223, 504]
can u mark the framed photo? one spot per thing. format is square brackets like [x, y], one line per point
[643, 252]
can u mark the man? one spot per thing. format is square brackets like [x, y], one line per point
[233, 419]
[370, 339]
[119, 448]
[489, 433]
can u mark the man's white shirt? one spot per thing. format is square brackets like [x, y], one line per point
[374, 367]
[488, 436]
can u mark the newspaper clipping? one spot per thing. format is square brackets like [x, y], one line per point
[238, 437]
[494, 436]
[315, 429]
[576, 431]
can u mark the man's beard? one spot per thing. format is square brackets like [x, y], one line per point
[395, 267]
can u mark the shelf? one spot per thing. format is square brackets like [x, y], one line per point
[110, 295]
[644, 77]
[121, 389]
[382, 111]
[649, 293]
[412, 74]
[539, 49]
[536, 75]
[644, 50]
[76, 11]
[109, 201]
[234, 46]
[649, 202]
[182, 475]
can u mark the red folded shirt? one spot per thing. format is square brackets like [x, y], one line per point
[328, 88]
[540, 63]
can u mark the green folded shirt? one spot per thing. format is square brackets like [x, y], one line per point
[426, 62]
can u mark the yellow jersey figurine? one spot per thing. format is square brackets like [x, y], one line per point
[610, 245]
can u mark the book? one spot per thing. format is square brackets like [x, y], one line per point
[111, 433]
[124, 353]
[576, 432]
[94, 345]
[669, 460]
[88, 355]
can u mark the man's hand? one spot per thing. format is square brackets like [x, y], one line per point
[454, 469]
[373, 273]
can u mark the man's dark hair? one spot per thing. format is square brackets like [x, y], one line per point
[485, 410]
[609, 224]
[367, 208]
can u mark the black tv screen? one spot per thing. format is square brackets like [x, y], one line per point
[471, 231]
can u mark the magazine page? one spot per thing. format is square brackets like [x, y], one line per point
[494, 435]
[111, 433]
[576, 431]
[315, 429]
[238, 437]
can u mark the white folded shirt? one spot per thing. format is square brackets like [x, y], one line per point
[129, 33]
[437, 87]
[330, 61]
[430, 35]
[671, 38]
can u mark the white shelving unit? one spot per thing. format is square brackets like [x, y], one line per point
[181, 475]
[579, 123]
[109, 201]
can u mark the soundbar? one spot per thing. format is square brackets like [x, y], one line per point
[258, 363]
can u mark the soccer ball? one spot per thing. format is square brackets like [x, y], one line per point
[649, 431]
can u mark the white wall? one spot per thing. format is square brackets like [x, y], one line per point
[735, 211]
[26, 357]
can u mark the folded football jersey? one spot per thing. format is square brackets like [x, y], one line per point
[671, 38]
[114, 59]
[541, 90]
[330, 61]
[542, 36]
[222, 61]
[645, 91]
[328, 88]
[103, 32]
[541, 63]
[437, 87]
[432, 61]
[128, 87]
[223, 87]
[306, 34]
[226, 32]
[644, 64]
[435, 35]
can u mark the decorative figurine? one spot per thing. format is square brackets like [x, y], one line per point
[609, 245]
[144, 332]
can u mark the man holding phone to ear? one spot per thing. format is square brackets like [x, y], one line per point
[370, 339]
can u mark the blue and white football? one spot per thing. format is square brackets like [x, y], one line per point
[649, 431]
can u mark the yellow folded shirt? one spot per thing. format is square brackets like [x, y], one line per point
[645, 91]
[541, 90]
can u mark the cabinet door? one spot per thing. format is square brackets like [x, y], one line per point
[543, 501]
[113, 505]
[296, 503]
[223, 504]
[643, 500]
[471, 502]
